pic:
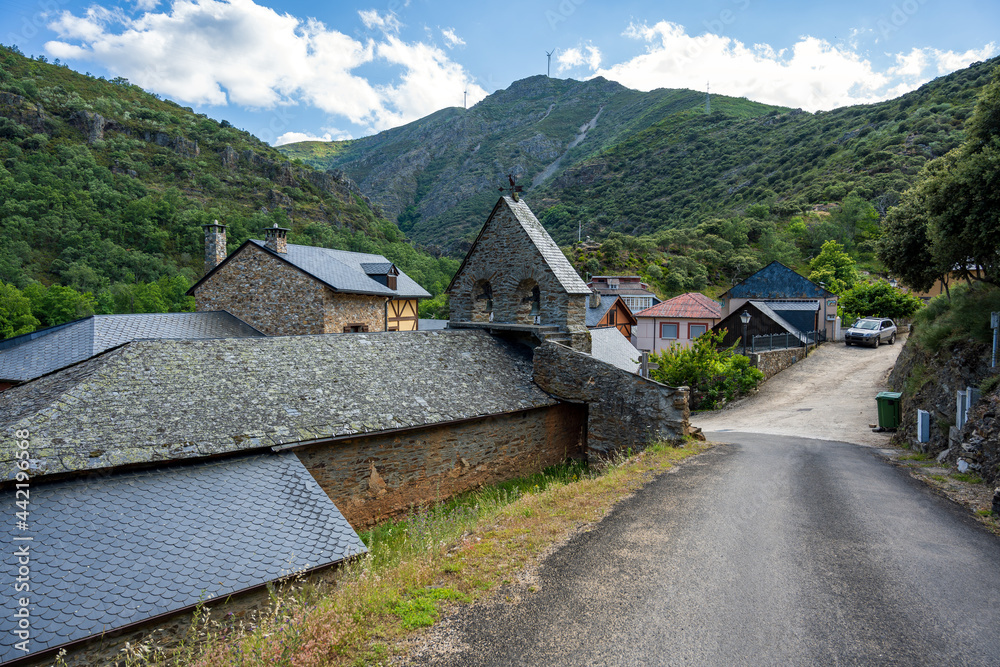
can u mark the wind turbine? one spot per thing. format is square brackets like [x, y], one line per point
[548, 68]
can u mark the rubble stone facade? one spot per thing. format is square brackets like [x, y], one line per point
[625, 411]
[374, 477]
[280, 300]
[511, 274]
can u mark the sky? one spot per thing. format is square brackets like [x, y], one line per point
[289, 70]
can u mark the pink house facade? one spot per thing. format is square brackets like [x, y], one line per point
[677, 321]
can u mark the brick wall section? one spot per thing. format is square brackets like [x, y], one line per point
[506, 257]
[625, 410]
[280, 300]
[374, 477]
[773, 362]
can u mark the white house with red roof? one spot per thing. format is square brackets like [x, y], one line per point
[676, 321]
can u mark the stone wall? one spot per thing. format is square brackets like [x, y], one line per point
[506, 258]
[625, 410]
[281, 300]
[773, 362]
[378, 476]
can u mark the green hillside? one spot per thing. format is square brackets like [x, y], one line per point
[104, 186]
[439, 174]
[652, 161]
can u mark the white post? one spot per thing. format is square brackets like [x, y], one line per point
[923, 426]
[959, 409]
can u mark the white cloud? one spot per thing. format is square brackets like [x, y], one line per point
[813, 74]
[451, 40]
[330, 134]
[146, 5]
[387, 23]
[588, 55]
[235, 51]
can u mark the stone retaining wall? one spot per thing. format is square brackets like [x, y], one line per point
[374, 477]
[624, 409]
[773, 362]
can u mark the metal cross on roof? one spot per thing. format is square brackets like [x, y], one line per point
[514, 189]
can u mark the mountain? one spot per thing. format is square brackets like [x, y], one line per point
[103, 184]
[599, 155]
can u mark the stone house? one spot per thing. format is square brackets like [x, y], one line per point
[676, 321]
[516, 278]
[286, 289]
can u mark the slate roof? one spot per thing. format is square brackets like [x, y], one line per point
[429, 325]
[553, 256]
[607, 344]
[156, 400]
[344, 271]
[595, 315]
[120, 549]
[777, 281]
[31, 355]
[763, 307]
[793, 305]
[691, 305]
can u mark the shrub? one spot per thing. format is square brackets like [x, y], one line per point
[966, 315]
[878, 299]
[715, 375]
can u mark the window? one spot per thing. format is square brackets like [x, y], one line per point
[355, 328]
[695, 330]
[391, 281]
[668, 330]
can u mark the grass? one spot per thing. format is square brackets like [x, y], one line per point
[919, 456]
[452, 553]
[967, 477]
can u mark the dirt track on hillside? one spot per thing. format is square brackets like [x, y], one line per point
[829, 395]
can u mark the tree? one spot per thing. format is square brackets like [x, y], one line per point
[877, 299]
[714, 375]
[834, 268]
[58, 304]
[15, 312]
[950, 221]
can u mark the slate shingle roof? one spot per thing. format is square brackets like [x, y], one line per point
[595, 315]
[763, 307]
[609, 345]
[691, 305]
[124, 548]
[156, 400]
[29, 356]
[345, 271]
[551, 253]
[777, 281]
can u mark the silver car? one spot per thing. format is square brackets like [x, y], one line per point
[871, 331]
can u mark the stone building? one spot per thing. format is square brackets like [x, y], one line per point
[286, 289]
[515, 278]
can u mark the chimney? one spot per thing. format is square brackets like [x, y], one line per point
[595, 300]
[274, 239]
[215, 244]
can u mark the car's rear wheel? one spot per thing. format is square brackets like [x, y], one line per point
[892, 338]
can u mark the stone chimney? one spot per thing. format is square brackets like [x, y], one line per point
[274, 239]
[215, 244]
[595, 300]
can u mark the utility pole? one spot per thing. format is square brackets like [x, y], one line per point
[465, 103]
[548, 68]
[995, 324]
[708, 98]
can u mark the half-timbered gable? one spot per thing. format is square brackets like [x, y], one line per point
[610, 311]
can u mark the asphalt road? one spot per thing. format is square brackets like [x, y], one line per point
[770, 550]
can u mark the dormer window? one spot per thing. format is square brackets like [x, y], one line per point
[382, 272]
